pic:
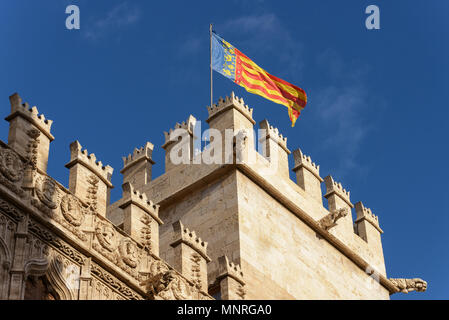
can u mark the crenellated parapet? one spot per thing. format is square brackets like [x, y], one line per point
[367, 227]
[334, 188]
[337, 199]
[143, 153]
[140, 218]
[302, 160]
[308, 175]
[190, 253]
[131, 195]
[31, 114]
[89, 179]
[187, 126]
[23, 121]
[184, 235]
[365, 214]
[231, 116]
[179, 143]
[274, 147]
[230, 102]
[80, 155]
[137, 166]
[274, 134]
[230, 278]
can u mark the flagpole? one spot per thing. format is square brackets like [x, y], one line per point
[211, 83]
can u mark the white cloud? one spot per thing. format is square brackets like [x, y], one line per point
[116, 18]
[265, 33]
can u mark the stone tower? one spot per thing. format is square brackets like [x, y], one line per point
[224, 221]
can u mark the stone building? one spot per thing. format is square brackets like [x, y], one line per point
[236, 228]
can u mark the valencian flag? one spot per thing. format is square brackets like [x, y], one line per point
[233, 64]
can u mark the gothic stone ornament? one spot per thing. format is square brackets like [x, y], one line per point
[32, 146]
[176, 287]
[105, 235]
[46, 191]
[72, 210]
[168, 286]
[330, 220]
[10, 165]
[407, 285]
[129, 252]
[92, 192]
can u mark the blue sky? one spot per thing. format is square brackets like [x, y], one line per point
[377, 99]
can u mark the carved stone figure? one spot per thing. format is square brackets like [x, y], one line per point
[72, 210]
[46, 191]
[129, 252]
[105, 235]
[10, 165]
[168, 286]
[408, 285]
[330, 220]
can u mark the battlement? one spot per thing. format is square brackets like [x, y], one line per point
[364, 213]
[302, 160]
[131, 195]
[229, 268]
[186, 125]
[333, 187]
[273, 133]
[143, 153]
[184, 235]
[78, 155]
[31, 114]
[229, 102]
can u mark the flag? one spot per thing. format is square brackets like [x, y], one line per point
[236, 66]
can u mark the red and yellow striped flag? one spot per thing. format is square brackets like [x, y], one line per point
[236, 66]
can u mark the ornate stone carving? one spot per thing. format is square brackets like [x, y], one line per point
[92, 192]
[330, 220]
[32, 148]
[145, 232]
[129, 252]
[55, 242]
[196, 269]
[168, 285]
[46, 191]
[105, 235]
[72, 210]
[114, 283]
[407, 285]
[64, 277]
[11, 170]
[241, 292]
[11, 211]
[10, 165]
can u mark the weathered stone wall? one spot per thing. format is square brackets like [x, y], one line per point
[212, 212]
[288, 259]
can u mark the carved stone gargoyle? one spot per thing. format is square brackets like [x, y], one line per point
[330, 220]
[168, 286]
[407, 285]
